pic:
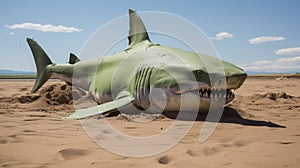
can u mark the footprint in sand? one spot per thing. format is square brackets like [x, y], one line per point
[130, 127]
[237, 143]
[285, 142]
[106, 131]
[3, 140]
[207, 151]
[70, 153]
[23, 89]
[164, 160]
[194, 153]
[28, 130]
[14, 138]
[32, 119]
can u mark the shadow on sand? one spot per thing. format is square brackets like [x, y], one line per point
[230, 115]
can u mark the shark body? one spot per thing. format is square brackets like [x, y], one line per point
[143, 75]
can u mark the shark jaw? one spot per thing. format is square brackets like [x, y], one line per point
[190, 101]
[199, 99]
[208, 93]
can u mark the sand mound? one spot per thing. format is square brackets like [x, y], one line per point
[271, 95]
[53, 97]
[70, 153]
[20, 99]
[266, 99]
[57, 94]
[54, 94]
[27, 98]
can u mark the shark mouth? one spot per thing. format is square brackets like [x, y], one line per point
[215, 93]
[204, 90]
[209, 93]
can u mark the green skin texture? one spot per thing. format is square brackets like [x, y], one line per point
[143, 74]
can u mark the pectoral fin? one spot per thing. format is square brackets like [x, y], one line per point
[100, 109]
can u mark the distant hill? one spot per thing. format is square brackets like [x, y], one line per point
[12, 72]
[263, 72]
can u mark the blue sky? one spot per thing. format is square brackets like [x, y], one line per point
[256, 35]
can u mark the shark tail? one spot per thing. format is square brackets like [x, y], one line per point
[42, 62]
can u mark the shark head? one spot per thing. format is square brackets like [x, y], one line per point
[179, 74]
[184, 76]
[203, 85]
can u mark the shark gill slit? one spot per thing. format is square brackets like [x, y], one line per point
[147, 86]
[142, 84]
[142, 87]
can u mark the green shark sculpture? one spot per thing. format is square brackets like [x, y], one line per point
[144, 74]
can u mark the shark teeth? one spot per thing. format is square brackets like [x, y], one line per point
[215, 93]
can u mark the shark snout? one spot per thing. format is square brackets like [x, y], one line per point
[235, 81]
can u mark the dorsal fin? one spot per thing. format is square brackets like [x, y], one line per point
[73, 59]
[137, 31]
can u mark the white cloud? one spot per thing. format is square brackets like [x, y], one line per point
[263, 63]
[12, 33]
[293, 60]
[265, 39]
[221, 36]
[279, 65]
[44, 28]
[288, 51]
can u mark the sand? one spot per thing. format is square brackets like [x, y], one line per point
[260, 128]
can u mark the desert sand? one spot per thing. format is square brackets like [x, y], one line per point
[260, 128]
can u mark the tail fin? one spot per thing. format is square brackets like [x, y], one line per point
[41, 61]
